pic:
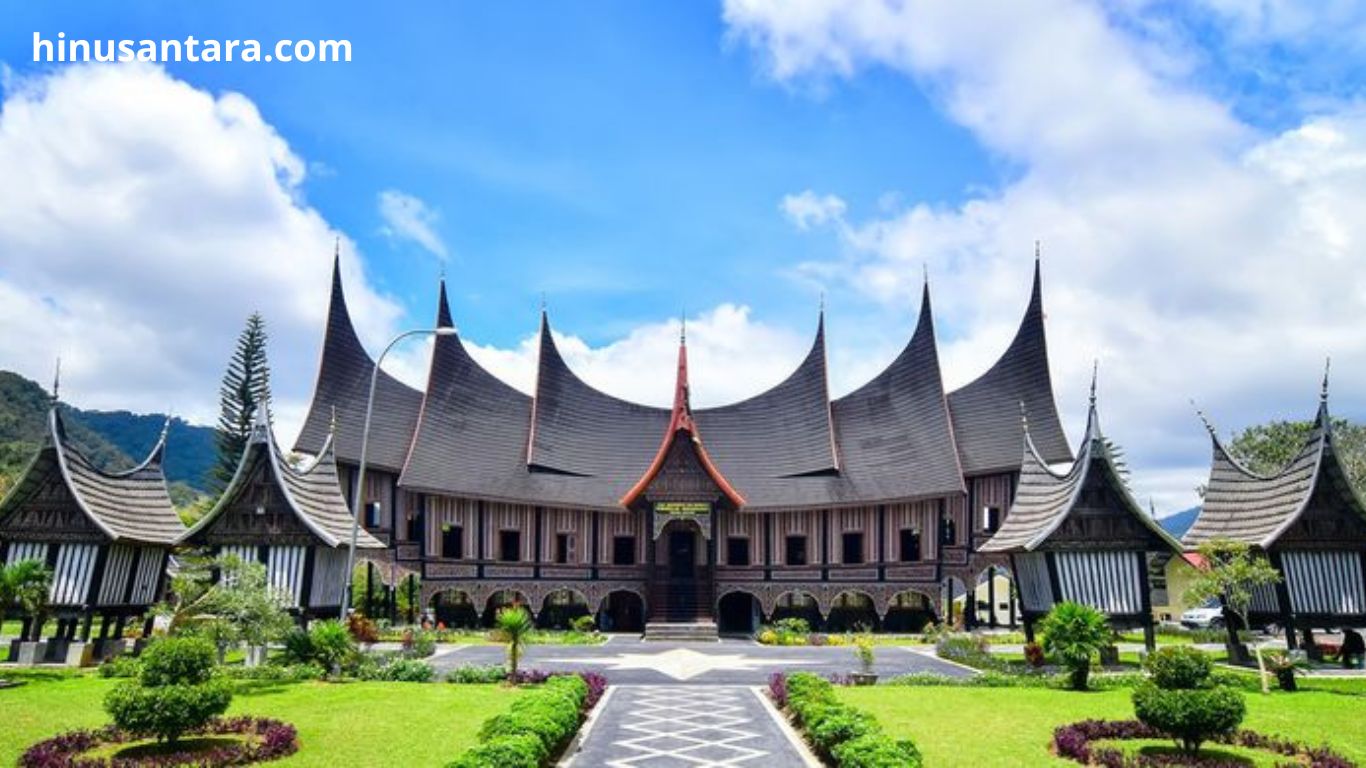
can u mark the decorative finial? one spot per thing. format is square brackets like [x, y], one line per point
[1024, 417]
[925, 271]
[683, 326]
[166, 427]
[543, 305]
[1323, 394]
[336, 248]
[332, 424]
[1095, 371]
[1203, 419]
[822, 304]
[57, 381]
[441, 272]
[1037, 250]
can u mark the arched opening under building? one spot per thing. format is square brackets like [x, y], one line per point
[798, 605]
[453, 608]
[909, 611]
[738, 613]
[505, 598]
[996, 602]
[560, 608]
[953, 596]
[852, 611]
[622, 611]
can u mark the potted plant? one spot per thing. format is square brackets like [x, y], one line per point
[1073, 633]
[863, 650]
[1284, 666]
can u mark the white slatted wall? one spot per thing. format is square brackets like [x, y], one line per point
[26, 550]
[151, 564]
[1324, 582]
[329, 568]
[1036, 592]
[71, 575]
[285, 572]
[118, 566]
[245, 553]
[1106, 581]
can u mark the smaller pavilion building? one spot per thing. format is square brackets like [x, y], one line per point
[1080, 536]
[293, 520]
[104, 535]
[1304, 517]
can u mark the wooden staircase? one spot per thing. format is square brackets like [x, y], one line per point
[681, 608]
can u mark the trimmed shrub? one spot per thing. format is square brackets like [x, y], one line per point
[493, 673]
[178, 661]
[840, 723]
[504, 752]
[850, 737]
[536, 725]
[331, 644]
[121, 666]
[1190, 716]
[298, 647]
[168, 711]
[875, 750]
[1179, 667]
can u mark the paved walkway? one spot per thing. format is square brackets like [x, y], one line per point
[686, 726]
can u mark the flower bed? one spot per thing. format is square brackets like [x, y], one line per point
[262, 739]
[1077, 742]
[844, 736]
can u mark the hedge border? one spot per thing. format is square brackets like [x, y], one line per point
[1073, 742]
[538, 726]
[841, 735]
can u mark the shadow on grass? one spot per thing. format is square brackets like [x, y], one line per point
[151, 749]
[1206, 755]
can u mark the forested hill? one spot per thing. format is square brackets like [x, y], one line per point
[111, 440]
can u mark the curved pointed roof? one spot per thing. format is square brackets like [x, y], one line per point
[986, 417]
[344, 383]
[1044, 499]
[894, 435]
[312, 492]
[126, 506]
[1256, 509]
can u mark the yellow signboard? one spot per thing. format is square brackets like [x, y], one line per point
[682, 507]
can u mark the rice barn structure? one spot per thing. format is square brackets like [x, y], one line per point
[1306, 519]
[104, 536]
[871, 508]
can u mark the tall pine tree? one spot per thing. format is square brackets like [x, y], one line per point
[246, 384]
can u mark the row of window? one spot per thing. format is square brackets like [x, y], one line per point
[624, 547]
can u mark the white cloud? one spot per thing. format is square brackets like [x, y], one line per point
[408, 218]
[141, 221]
[1193, 255]
[808, 210]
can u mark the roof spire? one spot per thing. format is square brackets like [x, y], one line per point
[1204, 420]
[1037, 250]
[57, 382]
[822, 302]
[1095, 371]
[1323, 393]
[1024, 418]
[683, 330]
[332, 424]
[543, 305]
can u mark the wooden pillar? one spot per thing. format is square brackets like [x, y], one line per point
[480, 528]
[1283, 602]
[369, 589]
[991, 596]
[85, 625]
[1145, 596]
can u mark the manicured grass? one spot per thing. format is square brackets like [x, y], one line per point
[354, 724]
[1013, 726]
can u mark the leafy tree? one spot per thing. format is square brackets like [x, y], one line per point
[26, 584]
[514, 625]
[1233, 573]
[246, 384]
[238, 606]
[176, 690]
[1180, 700]
[1073, 633]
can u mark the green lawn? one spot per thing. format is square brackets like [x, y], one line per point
[353, 724]
[983, 727]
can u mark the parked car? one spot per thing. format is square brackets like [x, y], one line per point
[1208, 615]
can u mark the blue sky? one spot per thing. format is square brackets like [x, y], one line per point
[1196, 172]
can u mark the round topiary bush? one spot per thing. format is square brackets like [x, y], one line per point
[1190, 716]
[1178, 667]
[175, 691]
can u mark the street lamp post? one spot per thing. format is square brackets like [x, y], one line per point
[359, 494]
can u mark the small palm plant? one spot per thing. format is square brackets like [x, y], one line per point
[514, 625]
[1073, 633]
[25, 584]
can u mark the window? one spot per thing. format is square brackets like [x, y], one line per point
[509, 546]
[372, 514]
[910, 545]
[796, 550]
[948, 532]
[991, 519]
[624, 550]
[452, 542]
[563, 543]
[737, 551]
[414, 526]
[853, 548]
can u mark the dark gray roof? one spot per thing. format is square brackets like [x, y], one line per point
[986, 412]
[1256, 509]
[1044, 498]
[893, 434]
[344, 383]
[312, 492]
[129, 506]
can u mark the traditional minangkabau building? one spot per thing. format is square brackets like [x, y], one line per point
[1306, 519]
[105, 536]
[290, 519]
[1080, 536]
[858, 508]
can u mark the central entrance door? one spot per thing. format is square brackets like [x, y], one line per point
[682, 554]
